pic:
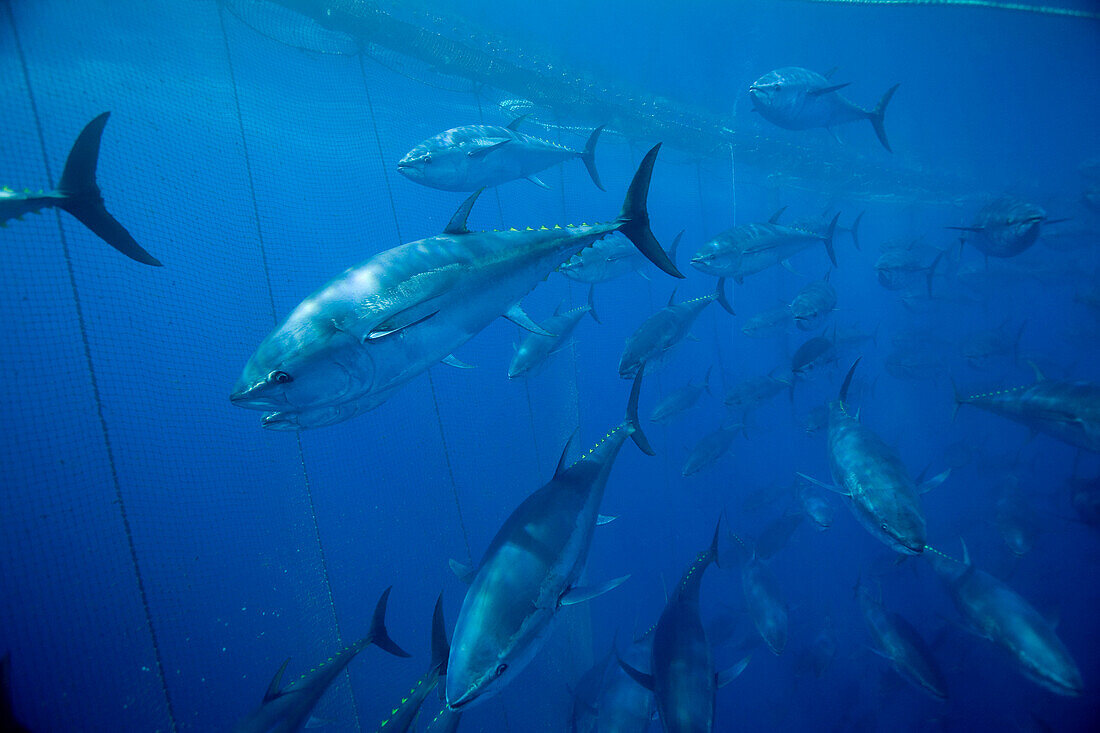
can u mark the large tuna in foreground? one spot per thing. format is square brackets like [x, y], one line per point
[531, 569]
[345, 349]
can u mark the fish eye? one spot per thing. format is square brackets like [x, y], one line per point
[501, 669]
[885, 526]
[427, 158]
[279, 377]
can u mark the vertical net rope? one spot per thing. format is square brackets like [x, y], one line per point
[431, 381]
[94, 383]
[307, 484]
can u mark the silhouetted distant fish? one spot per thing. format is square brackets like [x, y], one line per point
[769, 323]
[813, 304]
[1005, 227]
[536, 348]
[994, 611]
[799, 99]
[680, 401]
[610, 258]
[709, 449]
[899, 643]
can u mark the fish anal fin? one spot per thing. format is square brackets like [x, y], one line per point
[580, 594]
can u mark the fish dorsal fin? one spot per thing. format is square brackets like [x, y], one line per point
[829, 74]
[1039, 376]
[563, 461]
[672, 297]
[275, 688]
[514, 124]
[457, 225]
[828, 90]
[775, 217]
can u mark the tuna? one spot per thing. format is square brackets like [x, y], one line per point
[287, 709]
[799, 99]
[682, 675]
[764, 600]
[993, 611]
[403, 716]
[348, 347]
[898, 269]
[816, 506]
[536, 348]
[652, 342]
[1068, 411]
[880, 491]
[709, 449]
[1005, 227]
[611, 258]
[624, 705]
[896, 641]
[813, 304]
[680, 400]
[751, 248]
[477, 156]
[78, 193]
[769, 323]
[531, 570]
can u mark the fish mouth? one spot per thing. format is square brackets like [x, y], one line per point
[464, 701]
[253, 397]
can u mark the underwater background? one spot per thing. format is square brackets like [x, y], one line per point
[163, 554]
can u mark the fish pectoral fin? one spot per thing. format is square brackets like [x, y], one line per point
[275, 688]
[602, 519]
[789, 268]
[933, 482]
[485, 147]
[452, 360]
[822, 484]
[644, 276]
[828, 90]
[535, 180]
[643, 679]
[399, 322]
[727, 676]
[580, 594]
[463, 572]
[516, 315]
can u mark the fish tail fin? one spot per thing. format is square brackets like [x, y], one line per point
[441, 649]
[588, 157]
[83, 199]
[932, 271]
[634, 218]
[829, 234]
[855, 230]
[843, 396]
[592, 304]
[378, 634]
[877, 115]
[633, 424]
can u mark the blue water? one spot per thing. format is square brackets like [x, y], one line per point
[162, 554]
